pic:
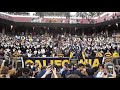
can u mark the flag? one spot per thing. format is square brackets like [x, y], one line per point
[71, 54]
[83, 55]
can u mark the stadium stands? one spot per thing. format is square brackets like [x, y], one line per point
[59, 52]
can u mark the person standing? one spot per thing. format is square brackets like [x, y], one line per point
[15, 57]
[108, 57]
[1, 55]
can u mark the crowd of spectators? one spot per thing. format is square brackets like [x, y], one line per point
[112, 17]
[107, 70]
[13, 47]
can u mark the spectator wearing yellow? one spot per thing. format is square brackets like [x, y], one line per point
[115, 54]
[83, 54]
[15, 57]
[108, 56]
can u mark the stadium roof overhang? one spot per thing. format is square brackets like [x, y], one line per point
[29, 24]
[8, 22]
[108, 22]
[54, 25]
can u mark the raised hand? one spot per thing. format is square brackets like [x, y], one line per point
[54, 70]
[48, 70]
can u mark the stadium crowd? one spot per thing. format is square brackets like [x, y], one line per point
[14, 47]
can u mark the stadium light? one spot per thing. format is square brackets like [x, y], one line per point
[76, 28]
[117, 24]
[61, 28]
[33, 28]
[11, 27]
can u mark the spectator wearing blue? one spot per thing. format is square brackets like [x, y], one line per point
[90, 72]
[69, 70]
[79, 70]
[64, 68]
[42, 72]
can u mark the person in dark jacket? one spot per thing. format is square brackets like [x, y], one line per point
[90, 72]
[79, 70]
[69, 71]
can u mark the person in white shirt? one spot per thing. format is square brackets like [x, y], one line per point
[100, 74]
[35, 52]
[43, 55]
[38, 46]
[14, 50]
[29, 54]
[39, 52]
[101, 71]
[19, 51]
[8, 50]
[43, 50]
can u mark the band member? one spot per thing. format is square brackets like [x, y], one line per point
[108, 57]
[1, 55]
[15, 57]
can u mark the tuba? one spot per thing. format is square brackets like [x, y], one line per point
[22, 37]
[90, 39]
[95, 39]
[101, 38]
